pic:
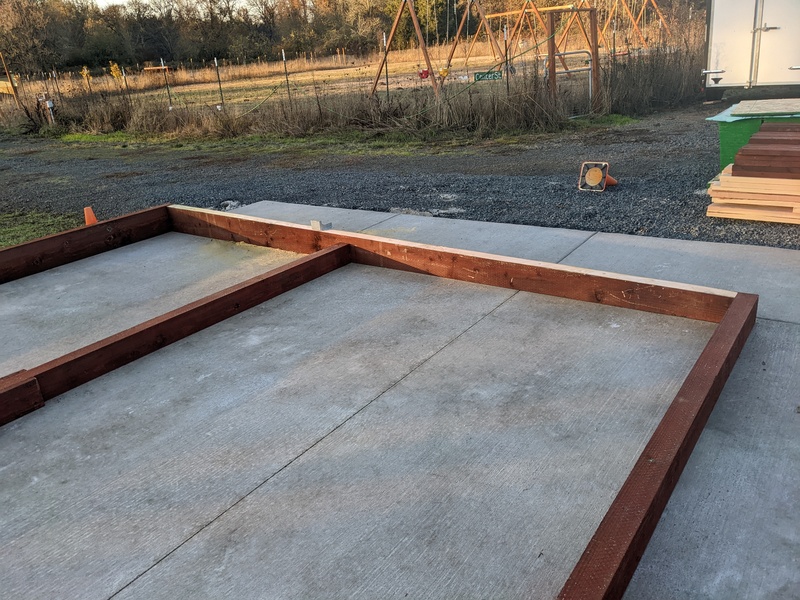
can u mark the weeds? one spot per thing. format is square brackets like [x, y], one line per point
[319, 103]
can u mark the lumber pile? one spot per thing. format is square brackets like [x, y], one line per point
[763, 183]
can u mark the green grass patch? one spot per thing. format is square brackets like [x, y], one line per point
[18, 227]
[612, 120]
[116, 137]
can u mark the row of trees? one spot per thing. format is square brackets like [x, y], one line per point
[38, 35]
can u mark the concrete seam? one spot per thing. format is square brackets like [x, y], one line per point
[568, 254]
[381, 222]
[311, 447]
[771, 320]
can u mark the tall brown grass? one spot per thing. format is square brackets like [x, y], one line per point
[634, 83]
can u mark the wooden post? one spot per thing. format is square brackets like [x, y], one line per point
[458, 34]
[388, 43]
[475, 39]
[597, 96]
[423, 46]
[551, 54]
[420, 39]
[634, 23]
[10, 81]
[660, 16]
[489, 31]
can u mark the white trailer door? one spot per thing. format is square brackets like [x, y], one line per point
[780, 43]
[730, 42]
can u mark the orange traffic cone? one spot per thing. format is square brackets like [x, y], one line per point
[594, 177]
[88, 216]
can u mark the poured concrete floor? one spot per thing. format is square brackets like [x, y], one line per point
[372, 434]
[79, 303]
[730, 529]
[131, 487]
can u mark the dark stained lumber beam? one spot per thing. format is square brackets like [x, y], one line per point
[786, 173]
[62, 248]
[638, 293]
[776, 149]
[775, 137]
[19, 395]
[78, 367]
[609, 561]
[250, 230]
[780, 126]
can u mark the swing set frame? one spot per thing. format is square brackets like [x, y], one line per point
[593, 35]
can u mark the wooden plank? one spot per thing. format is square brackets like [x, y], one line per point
[776, 137]
[85, 364]
[19, 395]
[62, 248]
[754, 213]
[531, 276]
[609, 561]
[771, 106]
[758, 184]
[778, 173]
[755, 160]
[788, 150]
[779, 126]
[236, 228]
[753, 198]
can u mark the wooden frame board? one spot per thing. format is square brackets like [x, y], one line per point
[611, 557]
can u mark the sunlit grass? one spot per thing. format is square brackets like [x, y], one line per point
[19, 227]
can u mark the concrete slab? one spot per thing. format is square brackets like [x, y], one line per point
[302, 214]
[520, 241]
[731, 529]
[773, 273]
[69, 307]
[482, 474]
[100, 487]
[104, 482]
[412, 437]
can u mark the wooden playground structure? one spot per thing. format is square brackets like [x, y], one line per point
[555, 26]
[7, 87]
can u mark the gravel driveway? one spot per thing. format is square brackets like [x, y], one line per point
[663, 163]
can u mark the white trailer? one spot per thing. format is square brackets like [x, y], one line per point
[752, 43]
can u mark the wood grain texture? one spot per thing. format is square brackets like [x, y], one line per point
[758, 184]
[775, 137]
[85, 364]
[734, 197]
[62, 248]
[19, 395]
[250, 230]
[779, 126]
[751, 212]
[610, 559]
[787, 173]
[531, 276]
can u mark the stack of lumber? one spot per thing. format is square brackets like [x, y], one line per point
[763, 183]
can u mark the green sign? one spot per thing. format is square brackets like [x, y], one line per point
[489, 76]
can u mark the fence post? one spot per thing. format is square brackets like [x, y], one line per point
[166, 81]
[219, 82]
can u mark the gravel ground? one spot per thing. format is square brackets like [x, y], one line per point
[663, 163]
